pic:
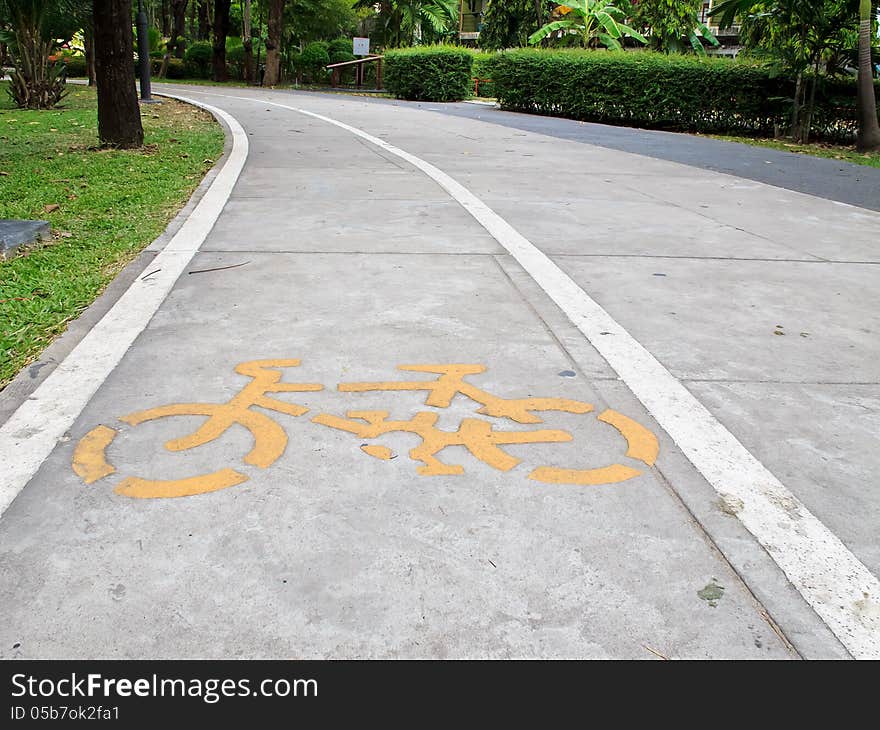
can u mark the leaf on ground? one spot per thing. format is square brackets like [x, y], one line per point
[51, 207]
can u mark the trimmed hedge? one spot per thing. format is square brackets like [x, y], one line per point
[484, 68]
[429, 73]
[76, 66]
[652, 90]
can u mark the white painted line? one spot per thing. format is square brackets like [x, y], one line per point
[32, 432]
[842, 591]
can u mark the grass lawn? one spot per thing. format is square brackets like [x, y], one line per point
[110, 205]
[835, 152]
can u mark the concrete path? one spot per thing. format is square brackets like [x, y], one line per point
[372, 511]
[823, 177]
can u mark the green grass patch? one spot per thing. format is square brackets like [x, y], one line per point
[834, 152]
[111, 204]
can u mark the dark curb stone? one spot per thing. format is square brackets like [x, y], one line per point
[14, 233]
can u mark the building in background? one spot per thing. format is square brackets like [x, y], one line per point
[470, 19]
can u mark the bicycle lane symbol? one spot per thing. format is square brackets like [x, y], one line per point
[480, 437]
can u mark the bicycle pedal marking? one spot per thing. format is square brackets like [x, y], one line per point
[377, 451]
[481, 438]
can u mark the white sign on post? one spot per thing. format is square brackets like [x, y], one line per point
[361, 46]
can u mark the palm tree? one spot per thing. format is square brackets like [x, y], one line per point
[35, 26]
[595, 21]
[806, 28]
[403, 21]
[868, 138]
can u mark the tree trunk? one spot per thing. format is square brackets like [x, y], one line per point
[796, 105]
[248, 42]
[89, 53]
[221, 28]
[119, 116]
[811, 105]
[166, 18]
[193, 32]
[204, 24]
[868, 138]
[178, 40]
[273, 43]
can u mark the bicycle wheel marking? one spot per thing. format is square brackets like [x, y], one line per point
[89, 460]
[159, 488]
[643, 445]
[481, 438]
[584, 477]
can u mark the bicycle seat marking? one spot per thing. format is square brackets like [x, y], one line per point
[480, 437]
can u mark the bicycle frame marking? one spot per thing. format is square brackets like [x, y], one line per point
[479, 437]
[451, 382]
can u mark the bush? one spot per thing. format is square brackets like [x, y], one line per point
[652, 90]
[340, 50]
[235, 61]
[175, 70]
[429, 73]
[312, 61]
[484, 69]
[197, 60]
[76, 66]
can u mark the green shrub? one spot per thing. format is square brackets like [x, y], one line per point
[155, 39]
[312, 62]
[175, 70]
[340, 50]
[429, 73]
[76, 66]
[235, 61]
[197, 60]
[661, 91]
[484, 70]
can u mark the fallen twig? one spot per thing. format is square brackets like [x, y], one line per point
[655, 652]
[218, 268]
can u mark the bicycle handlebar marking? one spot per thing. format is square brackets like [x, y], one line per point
[481, 439]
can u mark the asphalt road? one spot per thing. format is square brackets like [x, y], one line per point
[824, 178]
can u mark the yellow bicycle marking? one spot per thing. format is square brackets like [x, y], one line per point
[89, 461]
[479, 437]
[584, 477]
[156, 488]
[643, 444]
[270, 440]
[451, 382]
[378, 451]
